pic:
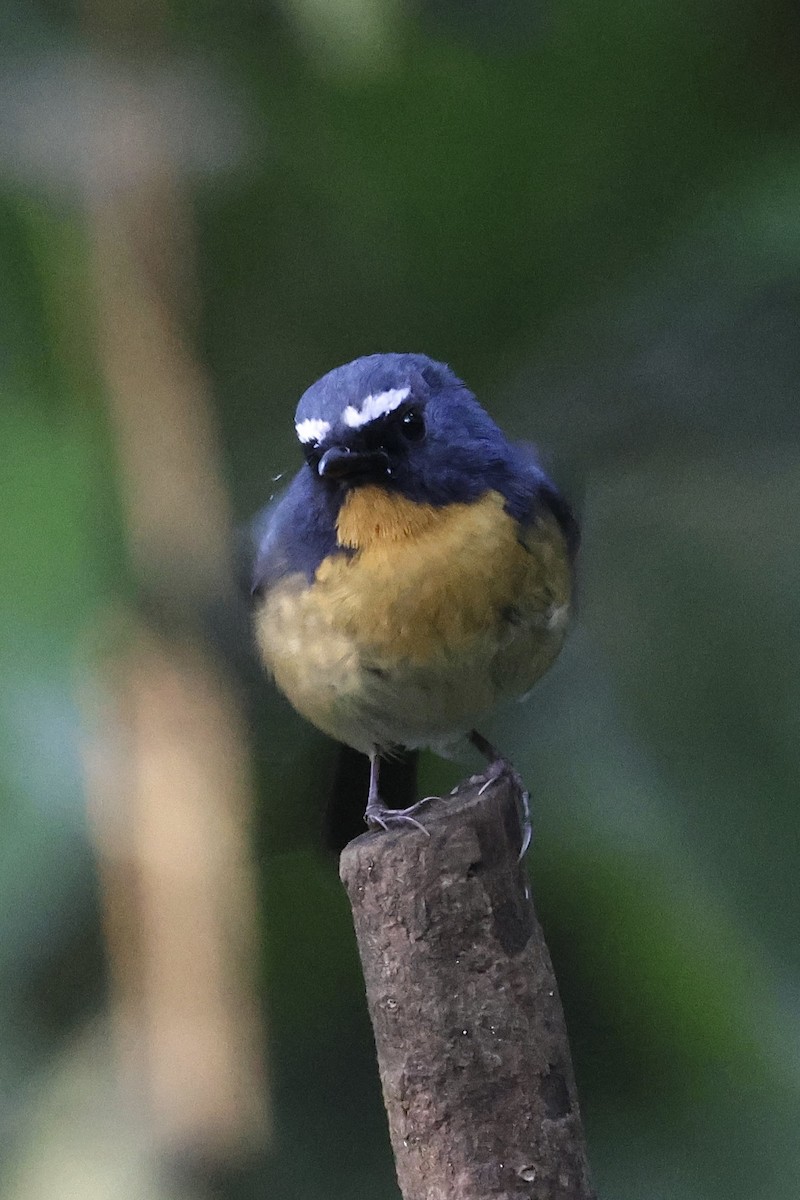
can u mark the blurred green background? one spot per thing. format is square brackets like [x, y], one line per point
[592, 212]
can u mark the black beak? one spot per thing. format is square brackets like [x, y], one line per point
[339, 462]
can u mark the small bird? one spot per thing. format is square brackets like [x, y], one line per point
[416, 571]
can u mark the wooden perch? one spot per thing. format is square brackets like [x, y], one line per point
[472, 1048]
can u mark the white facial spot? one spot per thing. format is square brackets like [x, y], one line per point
[373, 407]
[313, 429]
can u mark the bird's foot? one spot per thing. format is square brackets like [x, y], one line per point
[378, 816]
[500, 767]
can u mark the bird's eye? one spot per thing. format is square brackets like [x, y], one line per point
[313, 455]
[413, 425]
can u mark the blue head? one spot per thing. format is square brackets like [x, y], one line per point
[405, 423]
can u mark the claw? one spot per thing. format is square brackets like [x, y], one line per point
[378, 816]
[527, 824]
[498, 765]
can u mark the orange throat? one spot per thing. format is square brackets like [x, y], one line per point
[370, 516]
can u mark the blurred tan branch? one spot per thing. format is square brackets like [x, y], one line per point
[168, 769]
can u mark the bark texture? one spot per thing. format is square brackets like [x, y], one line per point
[472, 1048]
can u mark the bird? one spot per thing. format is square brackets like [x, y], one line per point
[417, 570]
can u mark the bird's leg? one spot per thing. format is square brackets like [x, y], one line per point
[374, 801]
[499, 765]
[377, 815]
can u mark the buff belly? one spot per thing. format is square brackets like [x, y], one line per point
[431, 618]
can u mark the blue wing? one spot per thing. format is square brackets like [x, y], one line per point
[529, 489]
[293, 533]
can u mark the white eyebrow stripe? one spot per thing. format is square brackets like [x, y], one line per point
[373, 407]
[313, 429]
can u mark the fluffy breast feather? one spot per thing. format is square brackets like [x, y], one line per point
[434, 615]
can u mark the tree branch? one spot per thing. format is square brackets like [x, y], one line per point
[472, 1049]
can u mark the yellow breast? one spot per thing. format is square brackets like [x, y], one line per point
[434, 614]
